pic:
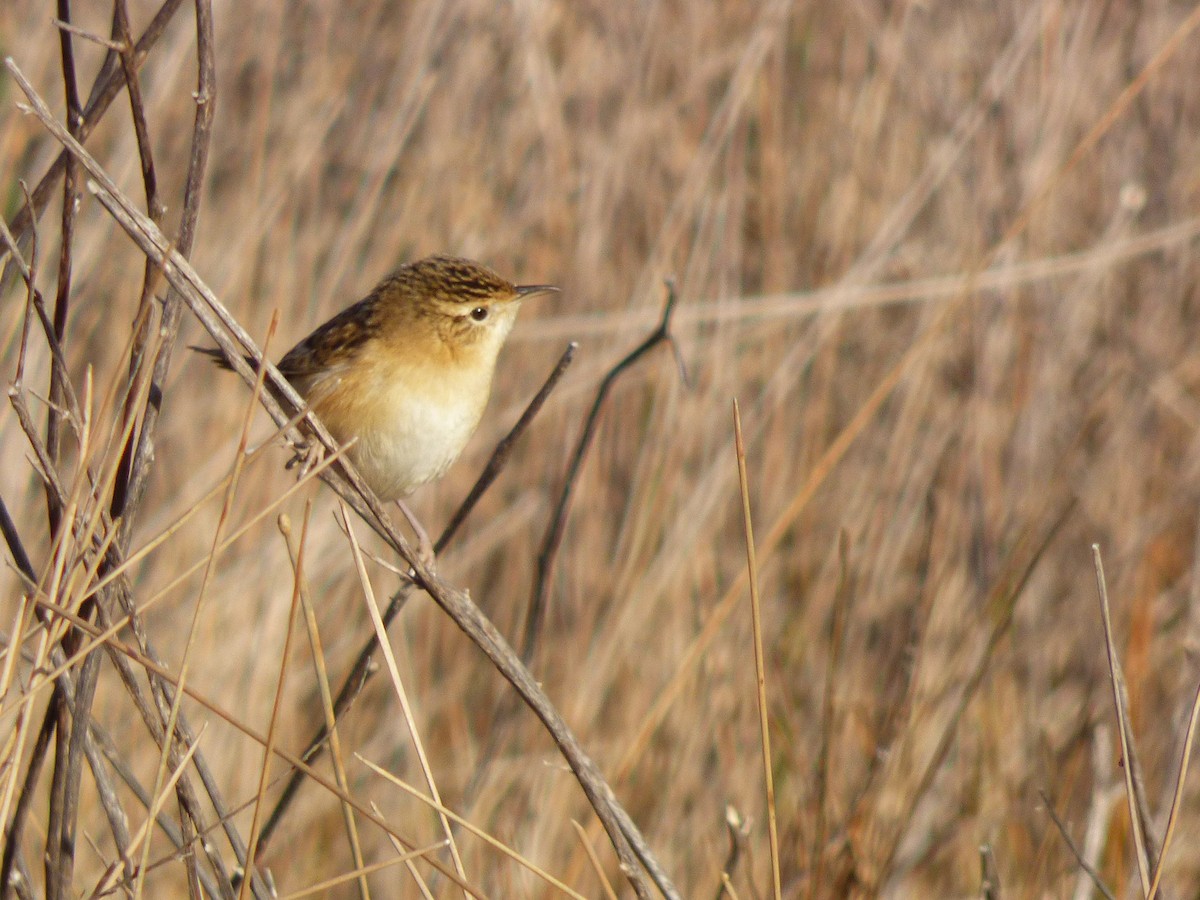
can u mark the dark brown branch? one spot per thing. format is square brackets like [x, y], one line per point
[64, 794]
[129, 655]
[152, 717]
[137, 109]
[135, 470]
[97, 754]
[554, 530]
[15, 826]
[52, 724]
[150, 277]
[62, 300]
[162, 692]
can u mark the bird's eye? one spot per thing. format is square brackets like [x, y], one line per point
[479, 313]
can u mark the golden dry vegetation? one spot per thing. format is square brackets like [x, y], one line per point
[942, 254]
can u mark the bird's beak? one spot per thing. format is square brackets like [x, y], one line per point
[525, 291]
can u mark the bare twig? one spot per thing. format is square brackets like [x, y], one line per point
[1083, 863]
[989, 878]
[554, 530]
[62, 302]
[535, 614]
[297, 557]
[72, 731]
[488, 839]
[499, 457]
[37, 756]
[605, 885]
[142, 322]
[85, 34]
[398, 687]
[739, 831]
[119, 651]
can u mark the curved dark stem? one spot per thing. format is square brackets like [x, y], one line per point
[501, 728]
[554, 531]
[63, 291]
[362, 669]
[150, 277]
[499, 457]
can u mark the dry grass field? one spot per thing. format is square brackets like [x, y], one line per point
[940, 252]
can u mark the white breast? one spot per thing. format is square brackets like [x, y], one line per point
[414, 440]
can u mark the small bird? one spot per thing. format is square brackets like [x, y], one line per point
[406, 372]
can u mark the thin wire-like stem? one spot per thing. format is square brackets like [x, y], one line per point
[398, 686]
[605, 884]
[137, 470]
[488, 839]
[1088, 869]
[264, 771]
[760, 668]
[317, 649]
[501, 728]
[499, 458]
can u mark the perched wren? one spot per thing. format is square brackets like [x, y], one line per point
[406, 372]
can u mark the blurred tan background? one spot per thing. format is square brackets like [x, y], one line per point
[948, 312]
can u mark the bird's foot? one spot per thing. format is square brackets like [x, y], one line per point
[307, 454]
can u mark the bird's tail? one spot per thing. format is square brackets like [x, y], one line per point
[217, 355]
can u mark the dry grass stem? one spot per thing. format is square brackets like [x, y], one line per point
[475, 830]
[398, 686]
[760, 673]
[1135, 800]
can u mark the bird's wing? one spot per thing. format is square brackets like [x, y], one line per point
[331, 346]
